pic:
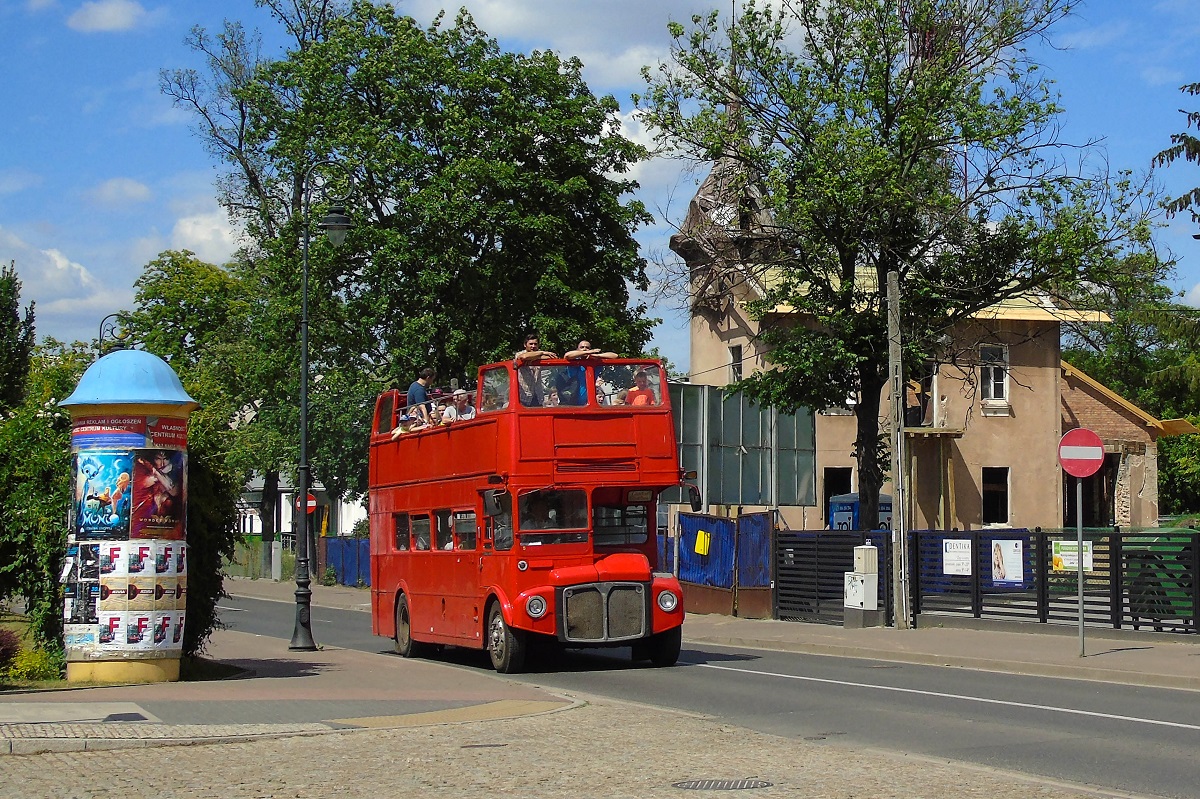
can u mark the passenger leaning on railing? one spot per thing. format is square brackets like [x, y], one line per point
[528, 378]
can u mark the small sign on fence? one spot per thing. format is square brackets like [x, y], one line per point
[956, 557]
[1064, 556]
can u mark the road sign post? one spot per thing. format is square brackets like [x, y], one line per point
[1081, 454]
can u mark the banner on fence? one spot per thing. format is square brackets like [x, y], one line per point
[1008, 563]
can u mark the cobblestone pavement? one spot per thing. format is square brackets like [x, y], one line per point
[602, 749]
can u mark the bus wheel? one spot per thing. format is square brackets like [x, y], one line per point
[664, 647]
[405, 645]
[506, 646]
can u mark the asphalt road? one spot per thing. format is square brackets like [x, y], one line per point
[1136, 739]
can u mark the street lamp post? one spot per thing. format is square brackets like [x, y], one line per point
[335, 223]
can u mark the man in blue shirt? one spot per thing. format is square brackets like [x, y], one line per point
[417, 404]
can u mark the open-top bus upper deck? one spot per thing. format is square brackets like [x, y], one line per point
[557, 422]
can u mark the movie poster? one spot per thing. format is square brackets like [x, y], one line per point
[159, 493]
[102, 494]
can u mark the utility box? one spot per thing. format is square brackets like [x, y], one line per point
[866, 559]
[861, 599]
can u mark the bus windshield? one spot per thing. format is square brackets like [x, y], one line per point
[616, 525]
[559, 511]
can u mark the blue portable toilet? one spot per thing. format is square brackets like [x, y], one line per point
[844, 512]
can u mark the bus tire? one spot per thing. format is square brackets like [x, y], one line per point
[405, 645]
[505, 646]
[664, 647]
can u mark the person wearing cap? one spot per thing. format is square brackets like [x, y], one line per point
[458, 409]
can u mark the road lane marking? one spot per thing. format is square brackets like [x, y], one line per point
[1009, 703]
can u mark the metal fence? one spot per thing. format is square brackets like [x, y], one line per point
[810, 567]
[1139, 579]
[1133, 579]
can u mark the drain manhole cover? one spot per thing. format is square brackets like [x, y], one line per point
[720, 785]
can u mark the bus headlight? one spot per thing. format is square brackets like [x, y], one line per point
[535, 606]
[668, 601]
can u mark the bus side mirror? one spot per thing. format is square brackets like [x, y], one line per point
[491, 502]
[694, 498]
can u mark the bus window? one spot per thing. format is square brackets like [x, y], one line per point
[385, 412]
[402, 540]
[552, 510]
[500, 519]
[567, 385]
[464, 528]
[420, 532]
[619, 524]
[495, 390]
[637, 385]
[444, 532]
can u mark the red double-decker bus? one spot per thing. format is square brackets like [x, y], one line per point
[535, 521]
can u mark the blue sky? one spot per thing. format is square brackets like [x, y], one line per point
[99, 173]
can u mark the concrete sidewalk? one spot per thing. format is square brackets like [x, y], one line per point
[286, 694]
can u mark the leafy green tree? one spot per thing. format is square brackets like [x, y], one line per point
[16, 338]
[35, 470]
[865, 137]
[196, 316]
[489, 197]
[1147, 354]
[1185, 145]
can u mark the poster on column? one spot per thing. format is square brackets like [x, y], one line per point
[159, 493]
[102, 494]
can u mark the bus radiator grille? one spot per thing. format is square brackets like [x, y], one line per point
[605, 612]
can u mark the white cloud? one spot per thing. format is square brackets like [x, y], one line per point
[614, 39]
[107, 15]
[206, 233]
[18, 179]
[1095, 36]
[69, 299]
[116, 191]
[40, 5]
[1162, 76]
[1192, 296]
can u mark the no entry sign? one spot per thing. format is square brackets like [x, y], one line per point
[1081, 452]
[312, 503]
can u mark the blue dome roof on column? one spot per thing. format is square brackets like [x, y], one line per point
[130, 377]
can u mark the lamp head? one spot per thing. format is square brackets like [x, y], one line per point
[336, 224]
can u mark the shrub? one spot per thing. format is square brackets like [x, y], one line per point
[329, 577]
[361, 529]
[10, 645]
[36, 664]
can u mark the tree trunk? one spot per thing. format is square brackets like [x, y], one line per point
[266, 511]
[866, 448]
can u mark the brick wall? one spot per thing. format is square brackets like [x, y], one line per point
[1083, 407]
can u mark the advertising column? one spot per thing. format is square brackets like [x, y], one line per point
[125, 572]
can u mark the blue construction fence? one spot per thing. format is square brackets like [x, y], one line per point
[350, 558]
[726, 553]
